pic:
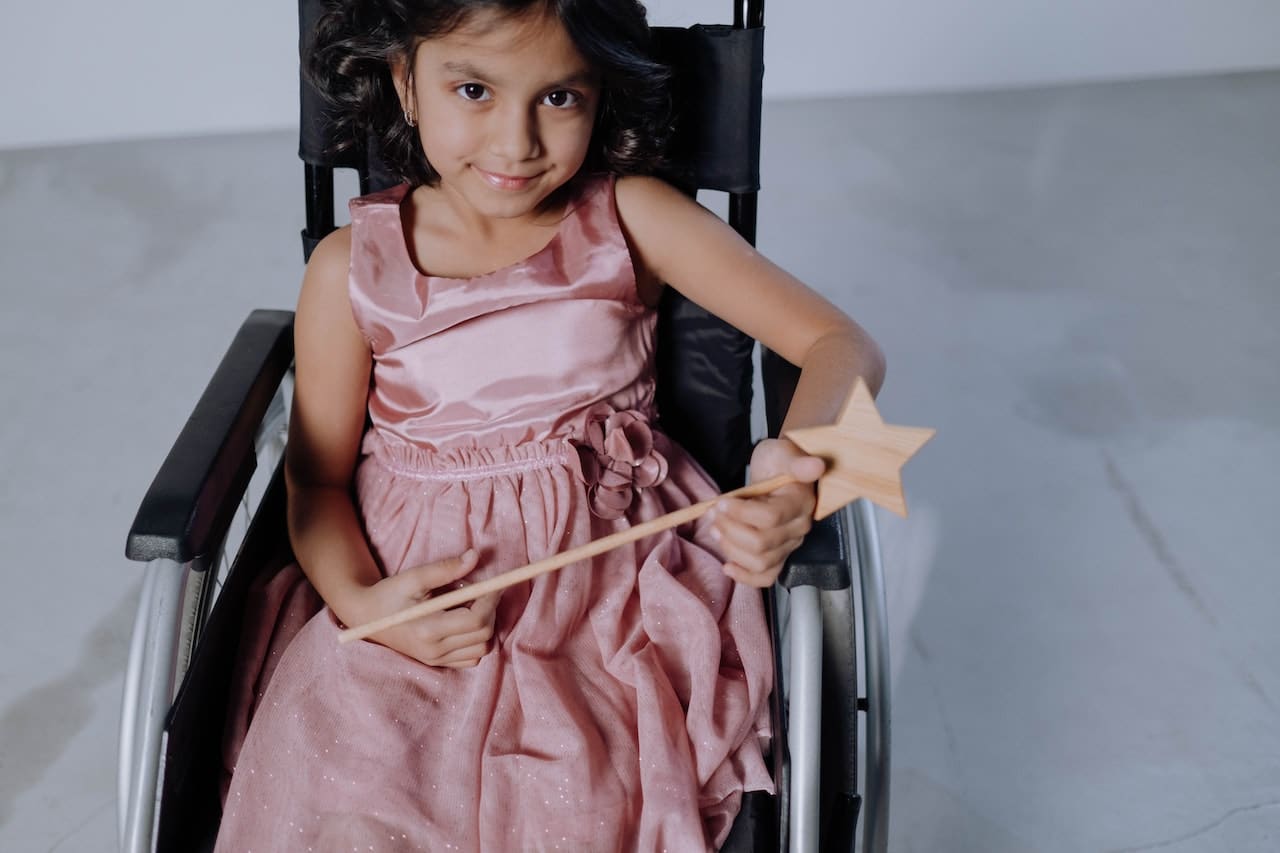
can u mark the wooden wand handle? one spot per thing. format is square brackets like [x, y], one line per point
[558, 561]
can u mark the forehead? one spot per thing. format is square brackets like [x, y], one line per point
[533, 46]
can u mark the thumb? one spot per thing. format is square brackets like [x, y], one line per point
[807, 469]
[423, 579]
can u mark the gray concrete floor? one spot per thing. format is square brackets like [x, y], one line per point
[1079, 287]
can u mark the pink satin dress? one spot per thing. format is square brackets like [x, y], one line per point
[624, 703]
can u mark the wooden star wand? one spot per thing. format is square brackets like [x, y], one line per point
[864, 457]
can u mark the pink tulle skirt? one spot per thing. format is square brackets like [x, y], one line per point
[623, 705]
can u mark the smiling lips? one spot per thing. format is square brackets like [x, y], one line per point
[505, 182]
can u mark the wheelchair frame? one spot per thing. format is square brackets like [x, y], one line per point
[183, 531]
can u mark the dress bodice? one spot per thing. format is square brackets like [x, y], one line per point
[510, 357]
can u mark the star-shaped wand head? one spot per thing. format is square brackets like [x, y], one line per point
[864, 455]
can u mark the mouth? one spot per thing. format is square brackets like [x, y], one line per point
[505, 182]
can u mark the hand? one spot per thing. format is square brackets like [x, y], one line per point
[757, 534]
[455, 638]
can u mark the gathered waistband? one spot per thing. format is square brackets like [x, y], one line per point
[466, 463]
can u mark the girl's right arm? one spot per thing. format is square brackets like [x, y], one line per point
[333, 364]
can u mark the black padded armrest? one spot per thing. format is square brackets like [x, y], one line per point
[195, 493]
[821, 560]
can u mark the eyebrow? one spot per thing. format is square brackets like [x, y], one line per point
[466, 69]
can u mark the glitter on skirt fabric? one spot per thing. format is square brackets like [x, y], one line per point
[624, 703]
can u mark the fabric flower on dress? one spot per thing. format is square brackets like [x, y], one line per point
[616, 458]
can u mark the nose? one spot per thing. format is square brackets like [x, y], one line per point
[514, 134]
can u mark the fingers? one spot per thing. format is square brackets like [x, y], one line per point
[422, 580]
[462, 647]
[756, 535]
[464, 664]
[755, 579]
[486, 605]
[453, 628]
[753, 560]
[787, 505]
[808, 469]
[766, 522]
[454, 638]
[467, 656]
[779, 456]
[770, 543]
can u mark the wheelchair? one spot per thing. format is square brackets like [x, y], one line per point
[213, 520]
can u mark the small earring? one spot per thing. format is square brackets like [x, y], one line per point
[408, 119]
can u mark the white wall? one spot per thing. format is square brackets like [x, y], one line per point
[145, 68]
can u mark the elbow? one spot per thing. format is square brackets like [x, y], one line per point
[873, 366]
[866, 359]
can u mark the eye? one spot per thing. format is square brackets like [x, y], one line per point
[473, 92]
[561, 98]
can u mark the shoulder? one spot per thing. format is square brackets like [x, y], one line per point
[325, 301]
[666, 228]
[382, 198]
[643, 197]
[652, 213]
[652, 208]
[330, 260]
[376, 212]
[637, 203]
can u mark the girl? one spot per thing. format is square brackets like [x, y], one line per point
[493, 320]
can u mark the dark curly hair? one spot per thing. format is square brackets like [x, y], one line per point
[347, 59]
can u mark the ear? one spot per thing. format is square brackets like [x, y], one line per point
[402, 78]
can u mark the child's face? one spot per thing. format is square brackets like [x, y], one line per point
[505, 108]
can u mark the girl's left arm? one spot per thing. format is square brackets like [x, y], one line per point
[676, 241]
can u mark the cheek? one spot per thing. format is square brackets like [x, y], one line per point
[446, 138]
[574, 137]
